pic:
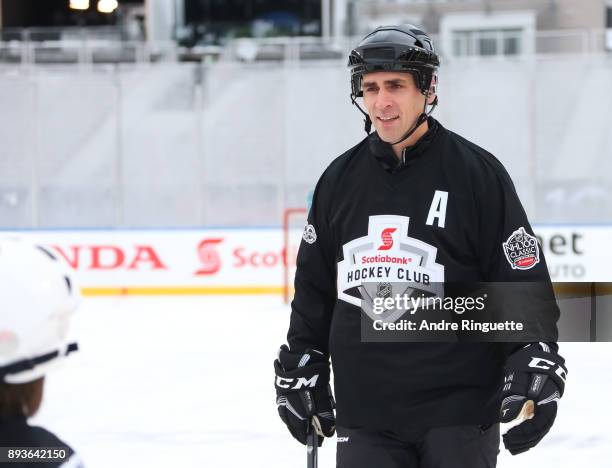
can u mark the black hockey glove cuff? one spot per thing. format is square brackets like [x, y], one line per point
[303, 393]
[533, 384]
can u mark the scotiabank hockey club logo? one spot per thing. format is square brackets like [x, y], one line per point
[522, 251]
[387, 262]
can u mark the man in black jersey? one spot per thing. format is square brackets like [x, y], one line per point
[418, 206]
[37, 298]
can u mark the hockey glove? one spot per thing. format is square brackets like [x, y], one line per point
[303, 393]
[536, 375]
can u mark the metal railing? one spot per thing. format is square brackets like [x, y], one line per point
[108, 45]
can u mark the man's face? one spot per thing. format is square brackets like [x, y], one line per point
[393, 102]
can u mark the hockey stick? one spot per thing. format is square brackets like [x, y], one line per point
[527, 412]
[312, 444]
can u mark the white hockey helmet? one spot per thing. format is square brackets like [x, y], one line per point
[37, 299]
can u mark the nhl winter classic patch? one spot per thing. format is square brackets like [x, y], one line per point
[309, 235]
[521, 249]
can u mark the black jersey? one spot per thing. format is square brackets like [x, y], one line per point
[454, 208]
[17, 433]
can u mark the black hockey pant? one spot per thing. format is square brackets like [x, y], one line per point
[443, 447]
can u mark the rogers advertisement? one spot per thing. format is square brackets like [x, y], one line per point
[251, 261]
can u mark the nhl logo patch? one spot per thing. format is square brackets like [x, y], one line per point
[309, 235]
[384, 290]
[522, 250]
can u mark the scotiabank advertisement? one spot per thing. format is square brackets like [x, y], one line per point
[251, 261]
[171, 261]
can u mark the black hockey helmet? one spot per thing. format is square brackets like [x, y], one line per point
[402, 48]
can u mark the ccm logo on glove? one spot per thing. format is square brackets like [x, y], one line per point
[541, 363]
[283, 382]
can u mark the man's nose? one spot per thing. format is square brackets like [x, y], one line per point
[383, 99]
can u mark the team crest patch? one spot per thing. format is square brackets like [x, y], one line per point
[385, 263]
[522, 250]
[309, 235]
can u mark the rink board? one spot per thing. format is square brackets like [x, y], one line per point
[251, 261]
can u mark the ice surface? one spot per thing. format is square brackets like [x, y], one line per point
[188, 382]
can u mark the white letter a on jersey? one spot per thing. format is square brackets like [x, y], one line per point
[437, 210]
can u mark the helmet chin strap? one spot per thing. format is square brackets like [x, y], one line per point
[367, 122]
[419, 121]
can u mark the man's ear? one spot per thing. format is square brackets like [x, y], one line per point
[433, 87]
